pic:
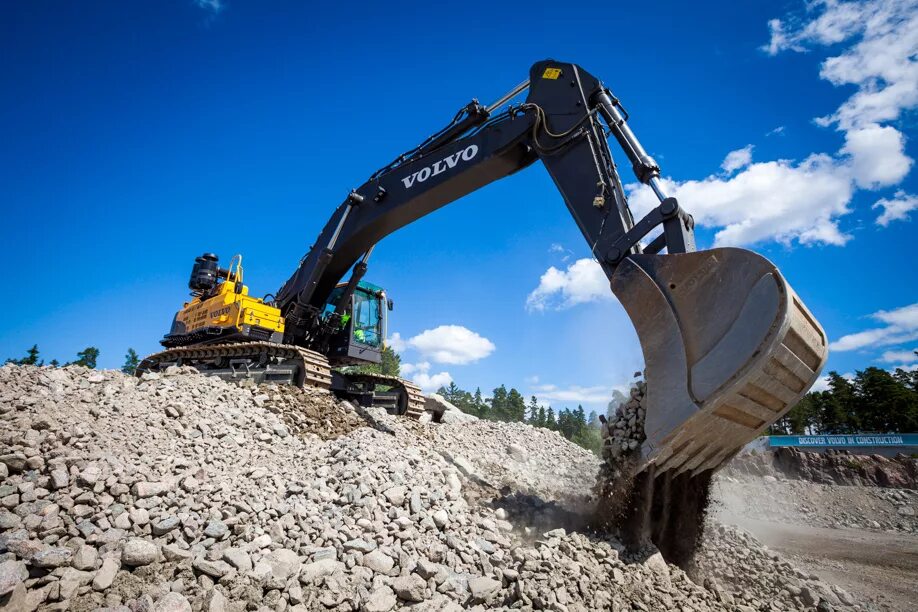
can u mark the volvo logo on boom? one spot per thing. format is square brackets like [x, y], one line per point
[439, 167]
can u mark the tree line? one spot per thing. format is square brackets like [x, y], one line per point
[509, 406]
[86, 358]
[874, 400]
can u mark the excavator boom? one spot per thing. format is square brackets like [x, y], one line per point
[728, 346]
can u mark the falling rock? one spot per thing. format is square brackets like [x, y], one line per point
[657, 563]
[106, 574]
[517, 452]
[483, 588]
[137, 552]
[410, 587]
[11, 574]
[381, 600]
[171, 602]
[378, 561]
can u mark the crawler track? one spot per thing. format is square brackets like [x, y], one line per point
[281, 364]
[258, 361]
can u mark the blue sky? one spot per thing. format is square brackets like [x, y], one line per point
[138, 135]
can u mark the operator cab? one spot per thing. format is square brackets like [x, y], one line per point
[364, 331]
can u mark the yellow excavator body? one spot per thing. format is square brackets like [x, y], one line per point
[230, 310]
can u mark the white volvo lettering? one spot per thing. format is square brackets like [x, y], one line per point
[419, 176]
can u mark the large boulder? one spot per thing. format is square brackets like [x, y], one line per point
[444, 412]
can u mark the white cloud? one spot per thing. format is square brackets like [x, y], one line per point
[901, 326]
[736, 160]
[908, 367]
[214, 6]
[451, 344]
[822, 383]
[574, 394]
[396, 343]
[420, 374]
[776, 200]
[583, 281]
[882, 63]
[777, 131]
[877, 156]
[789, 201]
[907, 356]
[896, 208]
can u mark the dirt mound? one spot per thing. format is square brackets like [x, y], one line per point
[837, 467]
[180, 492]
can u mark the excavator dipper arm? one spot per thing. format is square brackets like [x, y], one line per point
[728, 346]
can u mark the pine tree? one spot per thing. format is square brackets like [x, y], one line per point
[550, 421]
[87, 357]
[391, 363]
[54, 363]
[543, 422]
[533, 411]
[516, 406]
[31, 358]
[478, 402]
[131, 361]
[579, 424]
[499, 408]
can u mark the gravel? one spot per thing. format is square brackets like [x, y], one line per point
[180, 492]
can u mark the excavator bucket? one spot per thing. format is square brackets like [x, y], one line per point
[728, 347]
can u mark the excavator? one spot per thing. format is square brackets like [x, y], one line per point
[728, 346]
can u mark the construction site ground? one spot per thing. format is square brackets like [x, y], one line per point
[864, 539]
[180, 492]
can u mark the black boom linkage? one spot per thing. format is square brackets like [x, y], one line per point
[563, 122]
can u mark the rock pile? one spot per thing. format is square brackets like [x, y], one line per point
[779, 499]
[729, 556]
[626, 429]
[179, 492]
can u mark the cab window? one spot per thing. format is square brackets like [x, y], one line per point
[366, 320]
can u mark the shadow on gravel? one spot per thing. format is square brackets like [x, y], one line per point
[539, 515]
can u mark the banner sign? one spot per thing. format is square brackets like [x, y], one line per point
[843, 440]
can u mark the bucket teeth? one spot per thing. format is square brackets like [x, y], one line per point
[728, 347]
